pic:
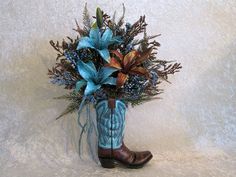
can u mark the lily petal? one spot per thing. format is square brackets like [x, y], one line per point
[110, 81]
[91, 88]
[105, 72]
[85, 42]
[121, 79]
[95, 35]
[80, 84]
[104, 53]
[106, 37]
[91, 64]
[118, 54]
[139, 70]
[87, 71]
[116, 40]
[130, 57]
[114, 63]
[144, 56]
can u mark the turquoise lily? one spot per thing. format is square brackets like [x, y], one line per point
[92, 78]
[99, 41]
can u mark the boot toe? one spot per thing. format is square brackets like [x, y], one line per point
[141, 158]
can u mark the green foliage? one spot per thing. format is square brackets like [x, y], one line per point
[141, 100]
[86, 19]
[75, 100]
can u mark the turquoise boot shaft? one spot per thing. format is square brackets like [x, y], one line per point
[110, 123]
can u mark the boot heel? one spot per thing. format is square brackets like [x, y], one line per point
[107, 163]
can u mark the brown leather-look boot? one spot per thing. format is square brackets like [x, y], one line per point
[111, 148]
[109, 158]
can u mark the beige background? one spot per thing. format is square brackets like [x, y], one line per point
[191, 131]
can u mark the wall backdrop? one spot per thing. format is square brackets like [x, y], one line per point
[191, 131]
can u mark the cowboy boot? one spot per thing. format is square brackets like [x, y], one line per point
[111, 148]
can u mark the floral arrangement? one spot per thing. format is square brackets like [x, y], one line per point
[107, 60]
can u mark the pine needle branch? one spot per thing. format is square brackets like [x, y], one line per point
[86, 19]
[72, 107]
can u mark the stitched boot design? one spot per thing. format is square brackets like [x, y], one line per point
[110, 123]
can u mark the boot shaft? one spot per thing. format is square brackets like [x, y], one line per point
[110, 123]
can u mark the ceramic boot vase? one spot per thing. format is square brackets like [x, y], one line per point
[111, 148]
